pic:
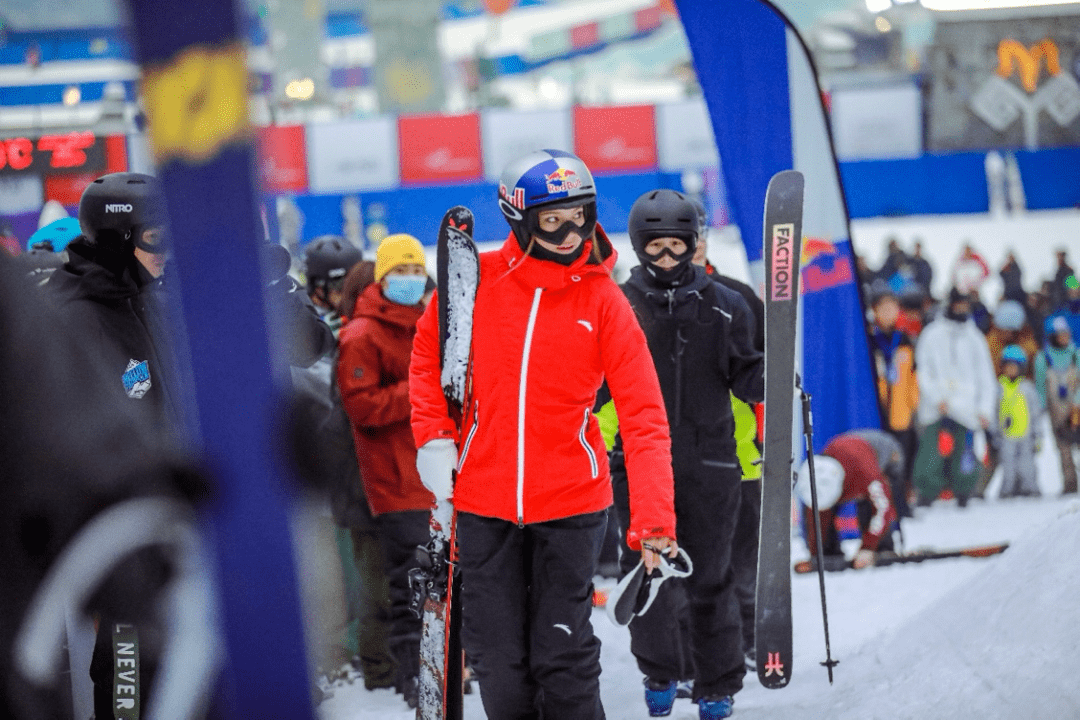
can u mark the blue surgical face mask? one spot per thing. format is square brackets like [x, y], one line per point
[405, 289]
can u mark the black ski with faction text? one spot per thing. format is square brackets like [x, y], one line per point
[436, 587]
[781, 254]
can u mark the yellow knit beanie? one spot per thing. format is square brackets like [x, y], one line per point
[394, 250]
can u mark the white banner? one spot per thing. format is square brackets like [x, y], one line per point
[352, 155]
[140, 157]
[684, 136]
[20, 194]
[507, 135]
[877, 123]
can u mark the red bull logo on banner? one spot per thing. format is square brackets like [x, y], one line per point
[825, 265]
[562, 180]
[518, 198]
[782, 261]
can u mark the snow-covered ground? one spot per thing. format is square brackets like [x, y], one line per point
[965, 638]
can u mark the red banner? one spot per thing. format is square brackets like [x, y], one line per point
[282, 158]
[616, 138]
[439, 148]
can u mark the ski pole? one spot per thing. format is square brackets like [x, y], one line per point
[808, 433]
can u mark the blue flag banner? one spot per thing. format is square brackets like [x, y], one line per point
[767, 116]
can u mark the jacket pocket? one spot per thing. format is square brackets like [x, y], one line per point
[469, 437]
[593, 465]
[720, 464]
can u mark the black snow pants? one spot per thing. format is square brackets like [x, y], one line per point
[707, 498]
[399, 535]
[526, 606]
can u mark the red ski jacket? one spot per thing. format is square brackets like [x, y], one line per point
[545, 336]
[373, 376]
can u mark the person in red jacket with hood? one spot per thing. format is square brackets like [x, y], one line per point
[533, 487]
[373, 376]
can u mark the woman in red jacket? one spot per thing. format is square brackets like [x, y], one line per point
[373, 375]
[532, 487]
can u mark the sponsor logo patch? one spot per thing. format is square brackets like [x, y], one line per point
[562, 180]
[137, 379]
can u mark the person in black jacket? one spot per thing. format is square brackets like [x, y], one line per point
[744, 549]
[111, 290]
[112, 301]
[700, 334]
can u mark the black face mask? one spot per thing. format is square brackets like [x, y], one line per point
[540, 252]
[558, 235]
[675, 276]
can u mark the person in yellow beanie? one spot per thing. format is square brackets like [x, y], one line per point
[375, 349]
[400, 269]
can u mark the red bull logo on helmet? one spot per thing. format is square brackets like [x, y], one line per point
[562, 180]
[517, 199]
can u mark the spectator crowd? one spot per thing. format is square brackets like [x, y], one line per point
[965, 382]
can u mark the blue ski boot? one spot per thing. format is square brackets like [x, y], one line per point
[660, 696]
[715, 707]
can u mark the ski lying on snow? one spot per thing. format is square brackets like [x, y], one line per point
[836, 564]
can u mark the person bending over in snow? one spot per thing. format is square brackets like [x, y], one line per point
[849, 469]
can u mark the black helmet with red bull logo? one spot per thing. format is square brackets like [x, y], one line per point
[546, 179]
[116, 209]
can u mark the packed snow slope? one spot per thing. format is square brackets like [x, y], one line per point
[994, 646]
[950, 639]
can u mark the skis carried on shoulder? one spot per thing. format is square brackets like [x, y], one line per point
[781, 252]
[435, 586]
[884, 559]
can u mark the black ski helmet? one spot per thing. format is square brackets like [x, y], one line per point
[545, 179]
[116, 208]
[662, 213]
[327, 259]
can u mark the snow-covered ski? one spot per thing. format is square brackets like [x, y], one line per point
[781, 252]
[435, 584]
[884, 559]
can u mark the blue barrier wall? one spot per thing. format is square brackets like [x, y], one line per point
[956, 183]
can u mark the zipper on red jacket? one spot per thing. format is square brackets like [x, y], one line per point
[522, 383]
[469, 438]
[593, 466]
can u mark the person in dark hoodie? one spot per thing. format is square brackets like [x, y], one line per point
[110, 290]
[701, 336]
[110, 296]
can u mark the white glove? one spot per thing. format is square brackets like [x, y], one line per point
[435, 461]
